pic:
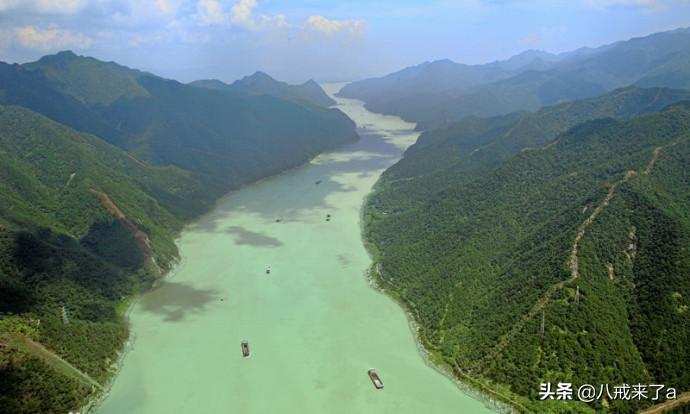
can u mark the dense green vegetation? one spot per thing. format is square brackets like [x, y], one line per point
[476, 145]
[89, 80]
[30, 386]
[100, 167]
[228, 137]
[480, 254]
[60, 247]
[438, 93]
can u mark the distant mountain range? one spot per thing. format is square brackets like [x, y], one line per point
[100, 167]
[436, 93]
[262, 84]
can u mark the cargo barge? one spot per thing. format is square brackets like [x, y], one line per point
[375, 379]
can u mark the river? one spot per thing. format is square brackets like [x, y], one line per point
[314, 324]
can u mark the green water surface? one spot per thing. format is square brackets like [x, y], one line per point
[314, 324]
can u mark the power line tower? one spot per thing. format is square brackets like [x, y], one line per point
[65, 318]
[542, 323]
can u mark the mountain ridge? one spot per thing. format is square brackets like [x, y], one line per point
[155, 118]
[659, 59]
[260, 83]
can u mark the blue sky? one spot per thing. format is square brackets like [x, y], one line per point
[326, 40]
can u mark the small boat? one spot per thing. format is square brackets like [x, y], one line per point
[328, 217]
[375, 379]
[245, 349]
[277, 220]
[268, 270]
[318, 182]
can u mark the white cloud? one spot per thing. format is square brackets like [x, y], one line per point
[45, 6]
[276, 21]
[210, 12]
[130, 8]
[147, 22]
[331, 27]
[241, 13]
[49, 38]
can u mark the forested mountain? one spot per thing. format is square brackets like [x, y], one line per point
[261, 83]
[89, 80]
[63, 247]
[586, 230]
[476, 145]
[228, 137]
[532, 81]
[100, 167]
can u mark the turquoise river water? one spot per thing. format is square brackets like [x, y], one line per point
[314, 324]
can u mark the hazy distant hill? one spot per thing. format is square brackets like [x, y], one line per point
[437, 93]
[419, 87]
[262, 84]
[443, 77]
[100, 167]
[475, 233]
[169, 123]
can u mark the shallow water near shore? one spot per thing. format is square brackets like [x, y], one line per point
[314, 324]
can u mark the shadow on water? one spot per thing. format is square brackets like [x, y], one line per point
[175, 301]
[252, 238]
[343, 259]
[373, 153]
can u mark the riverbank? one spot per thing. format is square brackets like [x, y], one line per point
[314, 324]
[472, 386]
[126, 309]
[128, 304]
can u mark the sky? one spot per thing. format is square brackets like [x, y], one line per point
[325, 40]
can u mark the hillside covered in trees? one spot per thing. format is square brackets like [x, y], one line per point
[227, 137]
[578, 214]
[100, 167]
